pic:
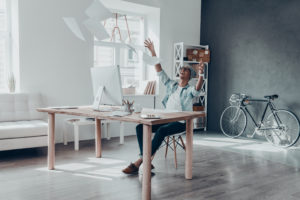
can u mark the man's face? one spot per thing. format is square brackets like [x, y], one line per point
[184, 73]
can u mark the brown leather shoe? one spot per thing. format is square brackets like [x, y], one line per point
[131, 169]
[152, 167]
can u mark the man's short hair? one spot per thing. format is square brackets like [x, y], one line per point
[192, 71]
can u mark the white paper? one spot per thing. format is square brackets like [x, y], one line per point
[98, 11]
[138, 47]
[74, 27]
[119, 113]
[135, 48]
[64, 107]
[96, 28]
[157, 111]
[150, 60]
[129, 46]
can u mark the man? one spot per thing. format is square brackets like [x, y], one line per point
[179, 97]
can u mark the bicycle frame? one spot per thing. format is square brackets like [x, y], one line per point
[268, 105]
[280, 127]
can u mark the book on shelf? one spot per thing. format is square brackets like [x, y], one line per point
[150, 88]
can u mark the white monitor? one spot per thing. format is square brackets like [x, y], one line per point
[106, 86]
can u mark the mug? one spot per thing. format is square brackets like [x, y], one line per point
[137, 108]
[127, 108]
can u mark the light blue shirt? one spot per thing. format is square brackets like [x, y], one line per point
[186, 95]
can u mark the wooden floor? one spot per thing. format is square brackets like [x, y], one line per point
[222, 169]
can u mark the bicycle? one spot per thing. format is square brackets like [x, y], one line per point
[281, 127]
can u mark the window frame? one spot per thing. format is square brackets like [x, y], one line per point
[117, 49]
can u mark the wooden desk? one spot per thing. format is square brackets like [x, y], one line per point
[147, 132]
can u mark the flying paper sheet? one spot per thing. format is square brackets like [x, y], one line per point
[150, 60]
[98, 11]
[133, 47]
[138, 47]
[129, 46]
[74, 27]
[96, 28]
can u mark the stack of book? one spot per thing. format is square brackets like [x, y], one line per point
[150, 88]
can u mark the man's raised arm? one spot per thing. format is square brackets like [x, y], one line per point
[200, 79]
[149, 44]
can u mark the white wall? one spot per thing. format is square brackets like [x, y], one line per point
[56, 64]
[53, 61]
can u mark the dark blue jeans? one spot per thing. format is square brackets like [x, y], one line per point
[161, 131]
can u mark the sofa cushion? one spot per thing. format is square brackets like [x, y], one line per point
[20, 106]
[23, 129]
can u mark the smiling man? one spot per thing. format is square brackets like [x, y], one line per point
[179, 96]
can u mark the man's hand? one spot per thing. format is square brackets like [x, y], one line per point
[149, 44]
[200, 80]
[201, 67]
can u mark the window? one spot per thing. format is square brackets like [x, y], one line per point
[4, 45]
[107, 53]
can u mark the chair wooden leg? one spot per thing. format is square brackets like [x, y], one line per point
[167, 146]
[175, 157]
[76, 137]
[65, 138]
[182, 142]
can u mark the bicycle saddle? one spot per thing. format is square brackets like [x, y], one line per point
[274, 96]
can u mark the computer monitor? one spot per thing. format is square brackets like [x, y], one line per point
[106, 86]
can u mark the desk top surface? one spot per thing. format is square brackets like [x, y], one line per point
[87, 111]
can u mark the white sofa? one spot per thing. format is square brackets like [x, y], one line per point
[21, 126]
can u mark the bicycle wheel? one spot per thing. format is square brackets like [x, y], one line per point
[285, 133]
[233, 121]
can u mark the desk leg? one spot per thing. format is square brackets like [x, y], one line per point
[189, 149]
[51, 141]
[146, 191]
[98, 137]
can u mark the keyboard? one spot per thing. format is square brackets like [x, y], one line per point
[104, 108]
[65, 107]
[149, 116]
[119, 113]
[157, 111]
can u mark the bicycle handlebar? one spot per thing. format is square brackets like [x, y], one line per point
[243, 99]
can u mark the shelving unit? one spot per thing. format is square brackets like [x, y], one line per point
[179, 55]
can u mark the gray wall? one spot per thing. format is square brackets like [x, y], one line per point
[255, 49]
